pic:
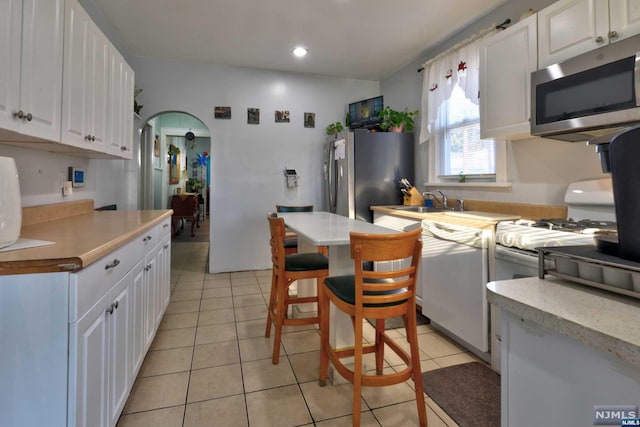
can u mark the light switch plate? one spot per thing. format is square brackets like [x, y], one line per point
[67, 188]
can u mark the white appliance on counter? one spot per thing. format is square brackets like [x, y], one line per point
[453, 291]
[10, 202]
[590, 211]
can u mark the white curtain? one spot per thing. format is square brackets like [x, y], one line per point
[459, 65]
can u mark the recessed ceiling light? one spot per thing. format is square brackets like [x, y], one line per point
[299, 51]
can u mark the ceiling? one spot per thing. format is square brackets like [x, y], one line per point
[361, 39]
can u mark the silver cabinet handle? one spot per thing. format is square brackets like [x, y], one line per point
[19, 114]
[123, 148]
[599, 39]
[166, 246]
[116, 304]
[113, 264]
[146, 239]
[165, 225]
[111, 308]
[29, 117]
[613, 34]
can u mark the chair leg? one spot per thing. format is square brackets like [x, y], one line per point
[412, 337]
[357, 371]
[379, 346]
[272, 303]
[323, 307]
[279, 318]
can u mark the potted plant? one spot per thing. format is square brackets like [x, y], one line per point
[334, 129]
[193, 185]
[396, 121]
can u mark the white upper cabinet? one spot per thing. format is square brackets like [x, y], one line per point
[86, 82]
[121, 87]
[31, 38]
[506, 62]
[570, 27]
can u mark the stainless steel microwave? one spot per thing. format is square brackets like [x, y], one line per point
[589, 94]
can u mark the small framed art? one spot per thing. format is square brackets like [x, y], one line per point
[282, 116]
[222, 112]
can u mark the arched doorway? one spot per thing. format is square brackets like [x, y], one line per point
[188, 140]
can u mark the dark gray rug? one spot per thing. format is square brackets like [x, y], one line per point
[468, 393]
[397, 322]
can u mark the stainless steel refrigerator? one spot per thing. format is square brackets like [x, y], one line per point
[365, 171]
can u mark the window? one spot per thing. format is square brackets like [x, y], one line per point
[450, 119]
[461, 151]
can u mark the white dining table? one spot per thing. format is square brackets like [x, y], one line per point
[328, 229]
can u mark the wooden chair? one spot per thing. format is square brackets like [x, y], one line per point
[286, 270]
[291, 240]
[185, 206]
[375, 295]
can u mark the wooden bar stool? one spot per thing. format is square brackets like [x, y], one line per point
[291, 240]
[286, 270]
[375, 295]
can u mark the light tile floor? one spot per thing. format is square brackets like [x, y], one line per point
[210, 364]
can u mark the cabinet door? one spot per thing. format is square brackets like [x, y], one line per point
[120, 106]
[98, 89]
[119, 318]
[164, 277]
[10, 41]
[624, 19]
[506, 62]
[89, 361]
[138, 316]
[151, 291]
[41, 68]
[76, 64]
[570, 27]
[86, 66]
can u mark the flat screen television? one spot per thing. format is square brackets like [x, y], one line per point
[364, 114]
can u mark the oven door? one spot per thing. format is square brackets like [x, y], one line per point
[515, 263]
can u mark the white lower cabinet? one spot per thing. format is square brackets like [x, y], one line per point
[74, 363]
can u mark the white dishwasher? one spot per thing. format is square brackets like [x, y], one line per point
[455, 271]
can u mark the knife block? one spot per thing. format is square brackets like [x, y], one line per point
[414, 198]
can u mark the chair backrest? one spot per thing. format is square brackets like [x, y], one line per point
[277, 229]
[304, 208]
[398, 283]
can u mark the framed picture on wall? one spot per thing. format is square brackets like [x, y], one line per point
[309, 120]
[222, 112]
[282, 116]
[253, 116]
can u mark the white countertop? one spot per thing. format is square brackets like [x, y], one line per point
[327, 229]
[602, 320]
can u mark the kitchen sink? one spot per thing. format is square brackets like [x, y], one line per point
[422, 209]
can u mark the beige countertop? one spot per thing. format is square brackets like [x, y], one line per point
[602, 320]
[468, 218]
[79, 240]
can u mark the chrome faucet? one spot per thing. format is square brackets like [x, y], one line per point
[443, 201]
[460, 204]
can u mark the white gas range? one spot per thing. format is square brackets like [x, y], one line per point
[590, 211]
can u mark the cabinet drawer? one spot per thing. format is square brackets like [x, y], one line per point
[164, 229]
[92, 283]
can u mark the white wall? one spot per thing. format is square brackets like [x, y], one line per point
[539, 169]
[247, 177]
[41, 174]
